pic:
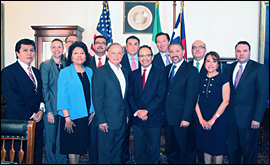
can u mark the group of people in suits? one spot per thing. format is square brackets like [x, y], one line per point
[91, 103]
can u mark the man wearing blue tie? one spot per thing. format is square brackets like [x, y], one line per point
[162, 58]
[250, 90]
[181, 97]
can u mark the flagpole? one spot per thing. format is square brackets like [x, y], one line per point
[174, 5]
[181, 11]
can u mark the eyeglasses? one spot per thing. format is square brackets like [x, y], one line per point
[102, 43]
[196, 47]
[71, 41]
[147, 55]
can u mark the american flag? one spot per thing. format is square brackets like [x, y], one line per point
[104, 26]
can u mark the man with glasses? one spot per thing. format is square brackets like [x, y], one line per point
[198, 53]
[146, 93]
[99, 59]
[69, 41]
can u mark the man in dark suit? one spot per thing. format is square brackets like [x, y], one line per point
[22, 89]
[162, 58]
[181, 97]
[250, 91]
[146, 92]
[130, 62]
[198, 53]
[99, 59]
[110, 83]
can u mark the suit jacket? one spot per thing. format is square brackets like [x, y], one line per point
[49, 75]
[182, 94]
[71, 93]
[125, 63]
[151, 98]
[203, 71]
[248, 101]
[158, 62]
[19, 92]
[110, 106]
[92, 63]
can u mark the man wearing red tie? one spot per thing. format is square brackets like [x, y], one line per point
[22, 89]
[99, 59]
[146, 93]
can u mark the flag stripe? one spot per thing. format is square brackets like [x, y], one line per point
[156, 29]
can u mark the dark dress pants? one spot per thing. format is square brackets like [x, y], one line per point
[109, 145]
[176, 138]
[125, 147]
[93, 149]
[242, 142]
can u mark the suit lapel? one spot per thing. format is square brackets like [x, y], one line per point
[150, 78]
[178, 73]
[114, 78]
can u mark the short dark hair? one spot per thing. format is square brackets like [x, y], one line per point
[75, 45]
[133, 37]
[101, 36]
[146, 46]
[214, 55]
[57, 39]
[244, 43]
[24, 41]
[160, 34]
[70, 36]
[176, 43]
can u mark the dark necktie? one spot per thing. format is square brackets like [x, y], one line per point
[99, 62]
[172, 74]
[143, 79]
[238, 76]
[32, 78]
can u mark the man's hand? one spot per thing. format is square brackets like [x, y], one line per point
[103, 127]
[50, 118]
[142, 113]
[38, 116]
[255, 124]
[184, 124]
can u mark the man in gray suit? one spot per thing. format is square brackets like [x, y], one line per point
[110, 84]
[49, 75]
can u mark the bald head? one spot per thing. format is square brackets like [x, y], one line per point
[198, 50]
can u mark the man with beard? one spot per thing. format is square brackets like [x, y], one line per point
[181, 97]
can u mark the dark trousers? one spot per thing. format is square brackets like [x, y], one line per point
[93, 149]
[242, 142]
[109, 145]
[146, 144]
[176, 139]
[192, 146]
[125, 147]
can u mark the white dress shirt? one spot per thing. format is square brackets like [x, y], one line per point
[237, 66]
[177, 67]
[200, 63]
[103, 59]
[164, 58]
[120, 76]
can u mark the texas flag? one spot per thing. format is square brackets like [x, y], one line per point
[179, 34]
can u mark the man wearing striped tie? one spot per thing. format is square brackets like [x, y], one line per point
[22, 90]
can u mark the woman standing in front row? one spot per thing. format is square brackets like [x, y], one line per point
[214, 96]
[74, 103]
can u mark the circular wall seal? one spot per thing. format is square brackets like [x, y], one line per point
[139, 17]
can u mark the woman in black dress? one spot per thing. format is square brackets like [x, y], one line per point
[213, 98]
